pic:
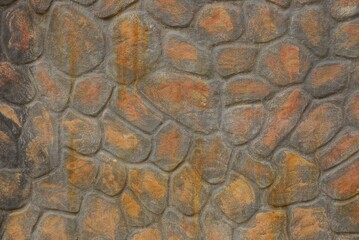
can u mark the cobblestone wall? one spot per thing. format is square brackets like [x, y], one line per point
[179, 119]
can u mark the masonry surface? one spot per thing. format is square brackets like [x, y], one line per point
[179, 119]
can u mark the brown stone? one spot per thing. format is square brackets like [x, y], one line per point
[238, 200]
[40, 6]
[215, 227]
[171, 146]
[343, 9]
[127, 103]
[123, 141]
[235, 58]
[286, 108]
[152, 233]
[352, 109]
[109, 8]
[297, 180]
[346, 39]
[56, 227]
[191, 100]
[344, 215]
[8, 153]
[317, 127]
[13, 117]
[281, 3]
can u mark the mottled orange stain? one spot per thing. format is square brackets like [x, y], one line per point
[181, 51]
[216, 21]
[248, 87]
[115, 135]
[174, 7]
[348, 181]
[19, 21]
[169, 144]
[310, 24]
[131, 206]
[289, 58]
[324, 74]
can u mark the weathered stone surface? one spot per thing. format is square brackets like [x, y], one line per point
[246, 90]
[136, 46]
[352, 109]
[346, 39]
[281, 3]
[312, 26]
[284, 63]
[40, 6]
[91, 94]
[220, 22]
[55, 226]
[39, 141]
[8, 153]
[147, 233]
[269, 225]
[215, 227]
[77, 46]
[13, 117]
[317, 127]
[123, 141]
[101, 219]
[81, 133]
[111, 177]
[265, 22]
[286, 109]
[19, 224]
[235, 58]
[297, 180]
[54, 89]
[309, 223]
[173, 13]
[262, 173]
[238, 200]
[20, 35]
[242, 123]
[84, 2]
[127, 103]
[15, 86]
[343, 9]
[171, 146]
[328, 78]
[109, 8]
[339, 150]
[344, 215]
[191, 100]
[185, 55]
[189, 193]
[15, 189]
[150, 186]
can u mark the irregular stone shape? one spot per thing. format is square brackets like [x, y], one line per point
[343, 183]
[171, 146]
[185, 55]
[259, 172]
[173, 13]
[112, 174]
[328, 78]
[297, 180]
[147, 233]
[123, 141]
[312, 26]
[286, 109]
[344, 216]
[101, 219]
[219, 22]
[136, 46]
[8, 153]
[317, 127]
[135, 213]
[13, 117]
[91, 94]
[281, 3]
[80, 171]
[343, 9]
[55, 192]
[210, 157]
[265, 22]
[76, 47]
[150, 187]
[269, 225]
[235, 58]
[246, 90]
[191, 100]
[81, 133]
[109, 8]
[177, 226]
[54, 89]
[284, 63]
[19, 224]
[242, 123]
[309, 223]
[15, 86]
[21, 37]
[346, 39]
[189, 193]
[56, 226]
[15, 189]
[339, 150]
[40, 6]
[215, 227]
[238, 200]
[39, 141]
[352, 109]
[127, 103]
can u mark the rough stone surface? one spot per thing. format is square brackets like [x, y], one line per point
[343, 9]
[346, 39]
[344, 215]
[352, 109]
[55, 226]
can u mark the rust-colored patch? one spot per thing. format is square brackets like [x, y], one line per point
[217, 20]
[131, 206]
[114, 135]
[310, 24]
[173, 7]
[325, 74]
[181, 51]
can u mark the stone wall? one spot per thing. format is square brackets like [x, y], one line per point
[179, 119]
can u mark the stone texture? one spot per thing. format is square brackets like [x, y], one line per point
[147, 233]
[352, 109]
[13, 117]
[215, 227]
[8, 154]
[344, 215]
[109, 8]
[40, 6]
[346, 39]
[281, 3]
[54, 226]
[343, 9]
